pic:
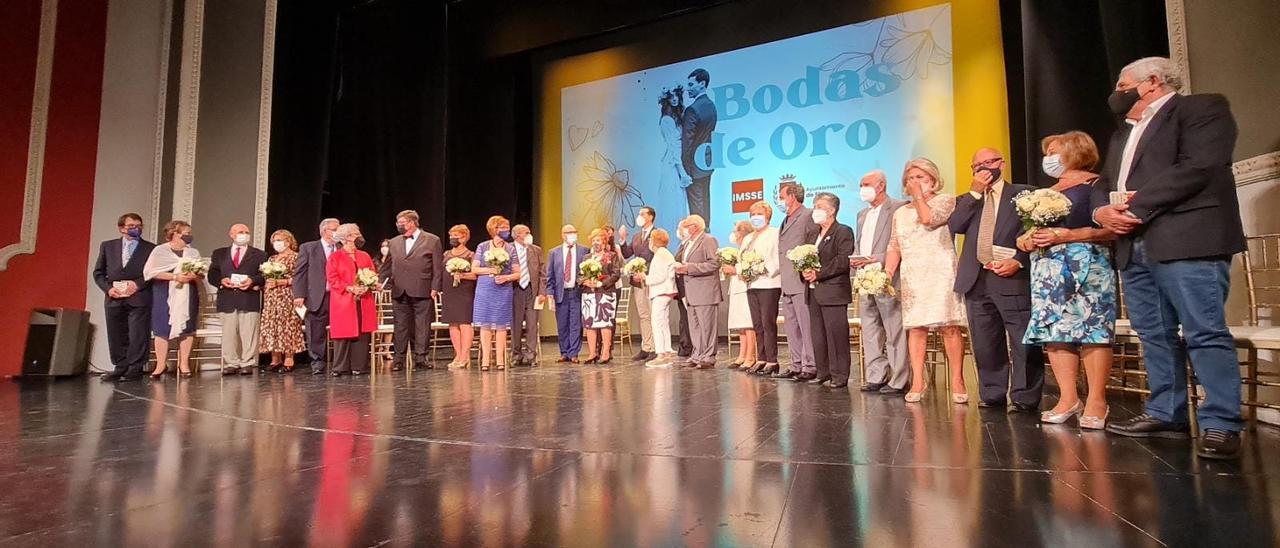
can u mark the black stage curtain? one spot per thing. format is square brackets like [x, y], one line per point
[1061, 61]
[359, 111]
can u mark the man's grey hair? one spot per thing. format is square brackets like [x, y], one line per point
[345, 231]
[878, 175]
[1160, 67]
[326, 222]
[829, 198]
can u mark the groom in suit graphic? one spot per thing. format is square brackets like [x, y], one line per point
[697, 124]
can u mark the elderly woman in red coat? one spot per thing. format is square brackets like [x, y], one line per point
[352, 314]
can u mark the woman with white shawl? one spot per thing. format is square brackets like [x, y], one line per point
[175, 305]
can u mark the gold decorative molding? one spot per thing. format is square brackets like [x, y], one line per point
[36, 141]
[264, 120]
[162, 101]
[184, 170]
[1176, 23]
[1261, 168]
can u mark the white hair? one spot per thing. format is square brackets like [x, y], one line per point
[1160, 67]
[879, 175]
[696, 220]
[326, 222]
[344, 231]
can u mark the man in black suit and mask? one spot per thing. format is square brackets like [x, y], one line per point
[118, 273]
[697, 124]
[1168, 176]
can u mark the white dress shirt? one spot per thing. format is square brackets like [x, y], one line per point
[409, 240]
[867, 239]
[1135, 136]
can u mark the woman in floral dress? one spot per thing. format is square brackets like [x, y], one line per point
[281, 326]
[923, 250]
[1073, 285]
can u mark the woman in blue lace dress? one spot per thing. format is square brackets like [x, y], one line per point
[492, 307]
[1073, 285]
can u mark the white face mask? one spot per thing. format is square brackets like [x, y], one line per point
[758, 221]
[571, 238]
[819, 216]
[1052, 165]
[279, 246]
[640, 222]
[528, 240]
[682, 234]
[242, 239]
[867, 193]
[386, 251]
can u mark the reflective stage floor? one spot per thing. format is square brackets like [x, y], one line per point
[593, 456]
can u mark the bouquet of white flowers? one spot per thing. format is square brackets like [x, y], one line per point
[1041, 207]
[750, 266]
[591, 270]
[728, 256]
[805, 258]
[636, 267]
[199, 267]
[273, 270]
[457, 265]
[367, 278]
[873, 280]
[497, 258]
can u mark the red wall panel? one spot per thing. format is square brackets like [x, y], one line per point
[55, 275]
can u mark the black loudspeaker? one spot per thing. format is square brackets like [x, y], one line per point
[56, 342]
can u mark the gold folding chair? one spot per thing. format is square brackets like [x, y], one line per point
[1262, 279]
[382, 347]
[622, 321]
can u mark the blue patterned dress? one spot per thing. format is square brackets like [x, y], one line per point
[492, 308]
[1073, 285]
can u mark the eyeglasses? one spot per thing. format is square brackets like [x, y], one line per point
[986, 163]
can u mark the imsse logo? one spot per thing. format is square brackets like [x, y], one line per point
[746, 193]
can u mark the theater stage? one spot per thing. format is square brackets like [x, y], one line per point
[592, 456]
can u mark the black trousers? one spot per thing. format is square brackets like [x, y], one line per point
[997, 324]
[685, 348]
[699, 197]
[413, 317]
[353, 354]
[128, 336]
[317, 335]
[830, 327]
[524, 324]
[764, 319]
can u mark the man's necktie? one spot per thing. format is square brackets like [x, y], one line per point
[524, 267]
[568, 265]
[235, 259]
[987, 227]
[128, 250]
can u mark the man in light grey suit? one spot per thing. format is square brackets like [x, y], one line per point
[698, 282]
[884, 343]
[798, 228]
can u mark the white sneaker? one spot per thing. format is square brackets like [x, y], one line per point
[662, 361]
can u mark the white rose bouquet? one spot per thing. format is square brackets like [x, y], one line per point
[636, 267]
[750, 266]
[728, 256]
[591, 272]
[1041, 207]
[457, 265]
[273, 270]
[497, 258]
[873, 280]
[367, 278]
[199, 267]
[805, 258]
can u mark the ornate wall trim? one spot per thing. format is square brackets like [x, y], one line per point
[264, 121]
[184, 172]
[1258, 169]
[1176, 22]
[162, 101]
[36, 141]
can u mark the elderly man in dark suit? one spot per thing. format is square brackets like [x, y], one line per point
[696, 126]
[529, 295]
[1175, 205]
[698, 283]
[118, 273]
[638, 246]
[311, 290]
[993, 277]
[414, 269]
[884, 342]
[236, 272]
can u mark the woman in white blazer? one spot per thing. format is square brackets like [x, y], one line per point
[661, 281]
[764, 288]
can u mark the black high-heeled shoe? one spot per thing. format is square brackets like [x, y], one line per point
[769, 369]
[275, 367]
[592, 359]
[159, 375]
[755, 368]
[606, 360]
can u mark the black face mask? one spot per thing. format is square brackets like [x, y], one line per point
[994, 171]
[188, 239]
[1122, 101]
[359, 242]
[454, 242]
